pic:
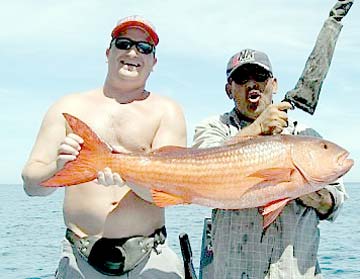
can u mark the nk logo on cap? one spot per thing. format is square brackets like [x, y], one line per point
[248, 55]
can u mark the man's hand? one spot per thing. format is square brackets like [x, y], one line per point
[320, 200]
[108, 178]
[273, 119]
[68, 150]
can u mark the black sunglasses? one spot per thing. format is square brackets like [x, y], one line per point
[243, 75]
[126, 43]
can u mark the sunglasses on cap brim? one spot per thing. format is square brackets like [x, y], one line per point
[126, 43]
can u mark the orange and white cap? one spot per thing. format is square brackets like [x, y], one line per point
[135, 21]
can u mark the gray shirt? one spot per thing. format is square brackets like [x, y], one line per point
[288, 247]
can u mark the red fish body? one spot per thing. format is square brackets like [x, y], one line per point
[265, 171]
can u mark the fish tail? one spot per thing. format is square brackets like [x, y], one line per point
[93, 157]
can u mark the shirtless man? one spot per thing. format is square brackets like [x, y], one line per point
[103, 220]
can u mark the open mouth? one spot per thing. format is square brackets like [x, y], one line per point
[129, 64]
[254, 96]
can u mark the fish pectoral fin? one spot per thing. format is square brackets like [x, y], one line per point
[274, 205]
[163, 199]
[274, 175]
[272, 210]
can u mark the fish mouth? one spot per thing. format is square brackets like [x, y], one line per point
[344, 162]
[254, 96]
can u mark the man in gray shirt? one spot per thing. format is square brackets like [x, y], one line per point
[288, 247]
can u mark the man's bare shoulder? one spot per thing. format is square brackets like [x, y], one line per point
[172, 128]
[79, 96]
[164, 102]
[74, 100]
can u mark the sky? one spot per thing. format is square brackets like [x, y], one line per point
[52, 48]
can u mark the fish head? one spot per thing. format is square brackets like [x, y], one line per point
[318, 160]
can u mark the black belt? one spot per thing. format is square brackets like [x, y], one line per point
[116, 256]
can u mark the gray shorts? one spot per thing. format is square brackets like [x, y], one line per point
[166, 265]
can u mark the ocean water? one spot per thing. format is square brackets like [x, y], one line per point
[31, 229]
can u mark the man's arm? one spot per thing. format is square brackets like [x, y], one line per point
[271, 121]
[338, 195]
[172, 128]
[211, 132]
[43, 161]
[327, 201]
[171, 132]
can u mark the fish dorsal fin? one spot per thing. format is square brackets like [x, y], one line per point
[238, 139]
[163, 199]
[167, 149]
[272, 210]
[274, 175]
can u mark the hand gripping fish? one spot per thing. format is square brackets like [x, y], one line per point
[266, 171]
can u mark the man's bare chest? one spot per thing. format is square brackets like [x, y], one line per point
[124, 129]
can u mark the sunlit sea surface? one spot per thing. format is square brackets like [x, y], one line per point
[31, 229]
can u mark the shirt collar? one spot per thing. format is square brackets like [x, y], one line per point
[238, 120]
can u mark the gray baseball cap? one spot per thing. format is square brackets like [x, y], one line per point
[248, 56]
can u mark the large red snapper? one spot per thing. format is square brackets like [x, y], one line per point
[266, 171]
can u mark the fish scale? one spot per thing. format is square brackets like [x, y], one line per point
[203, 172]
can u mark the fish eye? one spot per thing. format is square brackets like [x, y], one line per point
[325, 146]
